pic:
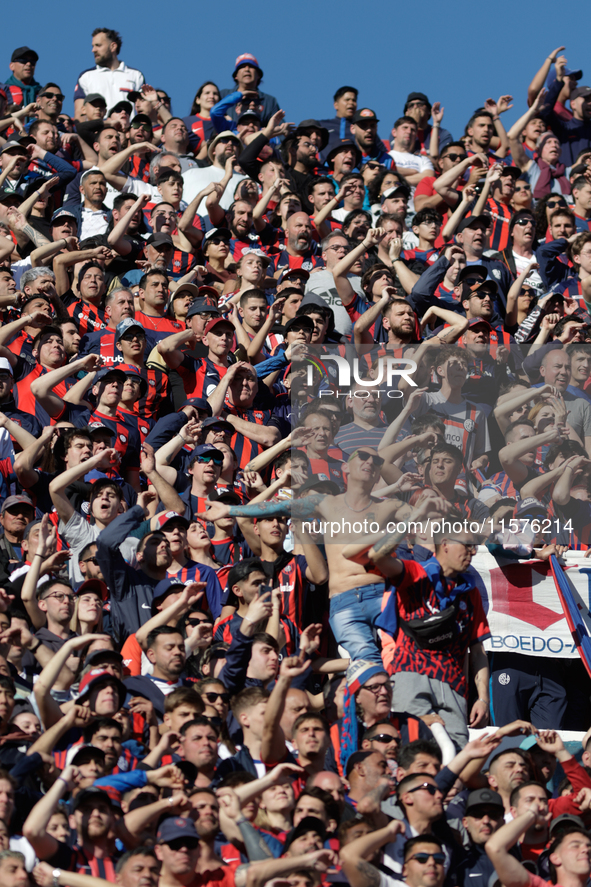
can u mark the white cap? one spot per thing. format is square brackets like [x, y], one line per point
[6, 365]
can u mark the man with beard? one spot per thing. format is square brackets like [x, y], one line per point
[413, 167]
[222, 152]
[166, 653]
[119, 305]
[364, 128]
[93, 816]
[110, 78]
[419, 107]
[301, 155]
[298, 252]
[398, 323]
[507, 770]
[484, 814]
[106, 734]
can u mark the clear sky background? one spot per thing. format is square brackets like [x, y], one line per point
[458, 52]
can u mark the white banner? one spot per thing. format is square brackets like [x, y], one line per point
[522, 605]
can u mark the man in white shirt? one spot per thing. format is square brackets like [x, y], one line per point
[110, 78]
[412, 167]
[224, 145]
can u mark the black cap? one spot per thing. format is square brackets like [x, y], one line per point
[567, 820]
[249, 113]
[344, 143]
[221, 423]
[416, 97]
[225, 496]
[472, 270]
[121, 106]
[307, 824]
[93, 794]
[139, 119]
[391, 192]
[159, 239]
[21, 51]
[320, 484]
[203, 306]
[469, 222]
[98, 656]
[302, 322]
[17, 141]
[484, 796]
[365, 115]
[305, 125]
[200, 403]
[95, 97]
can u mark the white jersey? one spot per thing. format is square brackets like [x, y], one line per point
[114, 86]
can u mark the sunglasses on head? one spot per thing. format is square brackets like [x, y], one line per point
[376, 461]
[216, 458]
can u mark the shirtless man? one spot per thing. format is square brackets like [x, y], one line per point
[355, 589]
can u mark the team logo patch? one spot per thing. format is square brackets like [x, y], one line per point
[122, 438]
[496, 273]
[469, 425]
[504, 679]
[307, 265]
[152, 383]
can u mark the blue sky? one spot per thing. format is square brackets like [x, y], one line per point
[458, 52]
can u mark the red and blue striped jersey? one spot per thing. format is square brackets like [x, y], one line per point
[228, 551]
[127, 761]
[127, 440]
[200, 376]
[139, 168]
[582, 224]
[501, 215]
[26, 401]
[156, 324]
[424, 255]
[307, 262]
[154, 402]
[245, 448]
[227, 628]
[87, 317]
[136, 421]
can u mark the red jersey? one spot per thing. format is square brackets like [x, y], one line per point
[159, 324]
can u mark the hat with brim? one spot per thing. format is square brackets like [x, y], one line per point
[132, 372]
[94, 678]
[215, 421]
[472, 221]
[226, 134]
[83, 754]
[94, 794]
[470, 271]
[307, 126]
[319, 484]
[185, 289]
[484, 796]
[307, 824]
[303, 322]
[342, 146]
[97, 586]
[95, 98]
[395, 190]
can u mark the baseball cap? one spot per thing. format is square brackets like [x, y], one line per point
[217, 232]
[132, 371]
[200, 403]
[95, 98]
[249, 113]
[128, 323]
[165, 518]
[159, 239]
[121, 106]
[530, 503]
[247, 58]
[473, 220]
[341, 146]
[484, 796]
[565, 820]
[203, 306]
[293, 272]
[416, 97]
[365, 115]
[97, 427]
[6, 365]
[96, 585]
[174, 827]
[17, 142]
[306, 125]
[63, 212]
[512, 171]
[254, 251]
[101, 656]
[11, 501]
[94, 794]
[214, 421]
[97, 676]
[21, 51]
[82, 754]
[165, 588]
[226, 134]
[190, 288]
[302, 322]
[489, 285]
[315, 482]
[580, 91]
[391, 192]
[214, 321]
[471, 271]
[479, 321]
[209, 292]
[106, 371]
[140, 119]
[307, 824]
[228, 496]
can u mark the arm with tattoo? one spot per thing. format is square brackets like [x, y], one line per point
[358, 871]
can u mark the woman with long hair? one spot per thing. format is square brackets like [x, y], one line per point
[199, 121]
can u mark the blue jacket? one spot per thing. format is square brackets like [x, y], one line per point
[269, 103]
[552, 270]
[574, 135]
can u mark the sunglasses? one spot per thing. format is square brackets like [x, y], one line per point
[53, 95]
[376, 461]
[552, 204]
[186, 843]
[522, 188]
[423, 858]
[453, 156]
[523, 222]
[372, 165]
[90, 560]
[385, 737]
[216, 458]
[211, 696]
[428, 787]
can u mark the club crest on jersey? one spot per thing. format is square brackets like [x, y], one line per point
[469, 425]
[122, 438]
[152, 383]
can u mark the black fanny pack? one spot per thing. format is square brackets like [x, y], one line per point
[433, 632]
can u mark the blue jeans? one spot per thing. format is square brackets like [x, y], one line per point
[352, 616]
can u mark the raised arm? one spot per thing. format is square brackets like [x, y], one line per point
[406, 277]
[273, 748]
[509, 870]
[511, 454]
[117, 238]
[539, 78]
[346, 292]
[354, 856]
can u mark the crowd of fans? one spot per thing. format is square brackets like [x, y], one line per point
[265, 389]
